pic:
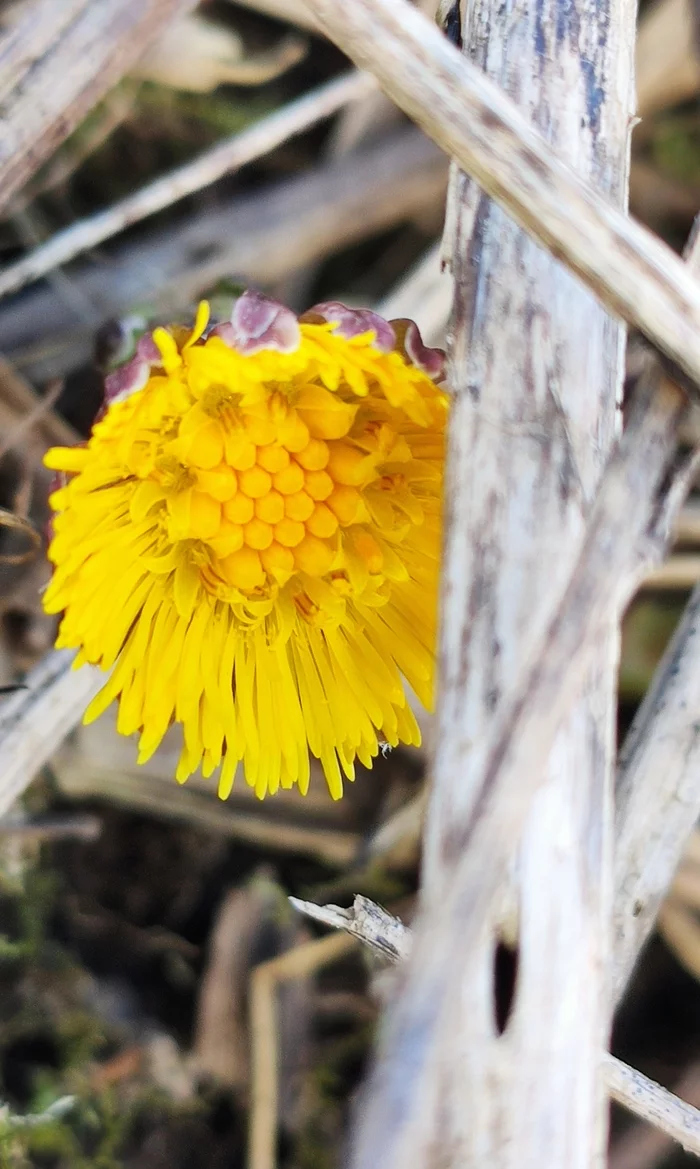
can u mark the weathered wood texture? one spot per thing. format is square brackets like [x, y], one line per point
[247, 238]
[57, 64]
[223, 158]
[536, 366]
[390, 941]
[34, 722]
[654, 1104]
[536, 370]
[636, 275]
[658, 793]
[411, 1093]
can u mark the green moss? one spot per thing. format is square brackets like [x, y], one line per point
[675, 146]
[216, 112]
[646, 630]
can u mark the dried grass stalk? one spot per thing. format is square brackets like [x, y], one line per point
[57, 63]
[632, 272]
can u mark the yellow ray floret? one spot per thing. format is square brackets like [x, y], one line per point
[249, 540]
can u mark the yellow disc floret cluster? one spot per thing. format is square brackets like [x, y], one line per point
[250, 540]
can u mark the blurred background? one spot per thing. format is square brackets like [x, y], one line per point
[149, 958]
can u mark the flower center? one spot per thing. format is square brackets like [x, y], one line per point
[218, 398]
[172, 474]
[285, 487]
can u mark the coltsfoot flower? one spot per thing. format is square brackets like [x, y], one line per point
[249, 540]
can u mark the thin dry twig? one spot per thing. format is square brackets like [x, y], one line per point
[82, 776]
[366, 921]
[629, 269]
[34, 721]
[249, 238]
[264, 983]
[18, 403]
[657, 793]
[653, 1103]
[80, 827]
[678, 572]
[57, 63]
[227, 156]
[28, 34]
[38, 411]
[116, 108]
[8, 519]
[644, 1146]
[389, 939]
[244, 918]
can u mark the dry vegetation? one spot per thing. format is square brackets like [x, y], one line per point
[151, 966]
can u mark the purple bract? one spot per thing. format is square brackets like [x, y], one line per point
[353, 322]
[410, 343]
[134, 374]
[257, 322]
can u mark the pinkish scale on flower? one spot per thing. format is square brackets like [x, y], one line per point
[134, 374]
[410, 343]
[258, 322]
[353, 322]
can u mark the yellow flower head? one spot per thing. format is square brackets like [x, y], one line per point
[250, 540]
